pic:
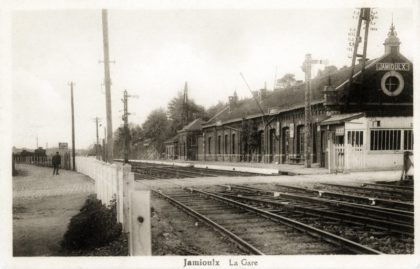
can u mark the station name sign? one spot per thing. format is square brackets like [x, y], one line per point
[392, 66]
[63, 145]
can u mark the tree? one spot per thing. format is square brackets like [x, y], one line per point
[175, 112]
[135, 135]
[327, 70]
[213, 110]
[155, 129]
[286, 81]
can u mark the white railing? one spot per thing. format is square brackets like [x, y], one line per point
[116, 181]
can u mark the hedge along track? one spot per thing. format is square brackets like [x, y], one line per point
[258, 231]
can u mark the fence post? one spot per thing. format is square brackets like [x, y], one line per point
[120, 193]
[126, 203]
[139, 239]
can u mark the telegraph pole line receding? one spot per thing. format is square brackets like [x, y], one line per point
[126, 129]
[72, 127]
[125, 119]
[97, 137]
[110, 142]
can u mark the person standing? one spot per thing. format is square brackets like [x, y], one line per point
[56, 162]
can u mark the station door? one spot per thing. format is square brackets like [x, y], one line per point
[355, 149]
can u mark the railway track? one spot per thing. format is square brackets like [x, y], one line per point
[389, 186]
[384, 204]
[389, 216]
[157, 171]
[260, 231]
[344, 213]
[392, 231]
[404, 195]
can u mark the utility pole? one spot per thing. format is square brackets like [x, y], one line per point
[126, 130]
[97, 137]
[307, 68]
[125, 119]
[72, 127]
[365, 15]
[104, 149]
[107, 87]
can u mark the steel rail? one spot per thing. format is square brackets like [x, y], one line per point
[318, 233]
[145, 176]
[197, 172]
[165, 171]
[391, 193]
[233, 237]
[347, 218]
[152, 175]
[406, 188]
[194, 172]
[389, 213]
[370, 200]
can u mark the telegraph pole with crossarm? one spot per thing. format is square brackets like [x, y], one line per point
[126, 130]
[97, 120]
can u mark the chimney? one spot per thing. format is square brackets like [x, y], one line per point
[233, 101]
[263, 94]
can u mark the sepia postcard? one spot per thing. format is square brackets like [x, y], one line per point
[193, 134]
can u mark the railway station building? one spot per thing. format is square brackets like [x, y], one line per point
[358, 124]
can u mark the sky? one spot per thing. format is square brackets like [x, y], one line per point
[157, 51]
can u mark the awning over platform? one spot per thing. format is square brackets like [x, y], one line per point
[341, 118]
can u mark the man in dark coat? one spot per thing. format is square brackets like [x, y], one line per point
[56, 162]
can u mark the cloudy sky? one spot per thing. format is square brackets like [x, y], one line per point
[156, 51]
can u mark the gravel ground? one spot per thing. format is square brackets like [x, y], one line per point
[176, 233]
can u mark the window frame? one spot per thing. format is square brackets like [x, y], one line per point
[387, 139]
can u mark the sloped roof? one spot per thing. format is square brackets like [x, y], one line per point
[340, 118]
[172, 140]
[287, 99]
[195, 125]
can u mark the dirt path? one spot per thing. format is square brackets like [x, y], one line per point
[42, 207]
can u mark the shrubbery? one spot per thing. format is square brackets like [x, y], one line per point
[94, 226]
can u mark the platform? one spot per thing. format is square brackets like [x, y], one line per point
[259, 168]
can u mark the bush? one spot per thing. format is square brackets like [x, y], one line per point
[94, 226]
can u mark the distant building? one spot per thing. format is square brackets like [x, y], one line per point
[184, 146]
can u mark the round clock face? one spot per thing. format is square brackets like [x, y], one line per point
[392, 83]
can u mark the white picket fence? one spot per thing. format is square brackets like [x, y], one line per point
[116, 181]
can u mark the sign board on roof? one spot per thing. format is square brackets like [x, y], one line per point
[63, 145]
[392, 66]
